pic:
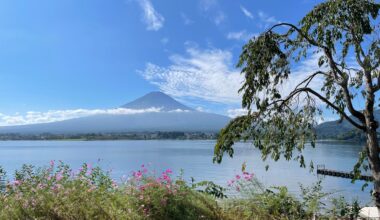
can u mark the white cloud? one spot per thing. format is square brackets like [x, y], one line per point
[209, 75]
[204, 74]
[179, 110]
[246, 12]
[212, 9]
[300, 73]
[233, 113]
[33, 117]
[152, 18]
[266, 19]
[200, 109]
[241, 35]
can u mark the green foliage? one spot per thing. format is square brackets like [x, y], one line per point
[312, 198]
[209, 188]
[2, 179]
[342, 209]
[280, 203]
[57, 192]
[279, 124]
[276, 204]
[172, 135]
[254, 201]
[353, 135]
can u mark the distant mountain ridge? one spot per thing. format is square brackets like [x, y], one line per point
[339, 130]
[168, 119]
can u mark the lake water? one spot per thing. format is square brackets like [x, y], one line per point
[194, 157]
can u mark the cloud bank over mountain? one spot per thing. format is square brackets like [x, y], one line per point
[61, 115]
[152, 112]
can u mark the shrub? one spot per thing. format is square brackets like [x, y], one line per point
[253, 201]
[164, 198]
[344, 210]
[57, 192]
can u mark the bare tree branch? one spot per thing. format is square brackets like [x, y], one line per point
[325, 100]
[310, 78]
[340, 76]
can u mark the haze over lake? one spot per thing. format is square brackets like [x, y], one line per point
[194, 157]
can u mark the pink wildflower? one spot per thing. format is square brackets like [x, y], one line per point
[138, 175]
[168, 171]
[238, 177]
[114, 184]
[146, 212]
[248, 176]
[167, 186]
[230, 182]
[89, 172]
[16, 182]
[58, 177]
[166, 177]
[56, 187]
[52, 163]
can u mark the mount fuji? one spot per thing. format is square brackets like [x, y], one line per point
[171, 115]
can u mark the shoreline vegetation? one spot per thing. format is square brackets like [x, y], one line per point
[59, 192]
[352, 137]
[170, 135]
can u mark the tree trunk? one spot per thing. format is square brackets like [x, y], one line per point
[374, 160]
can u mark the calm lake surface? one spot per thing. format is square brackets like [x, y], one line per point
[194, 157]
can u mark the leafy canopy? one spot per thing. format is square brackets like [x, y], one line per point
[281, 124]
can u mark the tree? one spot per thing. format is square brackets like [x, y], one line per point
[344, 36]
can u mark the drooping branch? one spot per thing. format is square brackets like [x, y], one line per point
[340, 77]
[310, 78]
[300, 32]
[325, 100]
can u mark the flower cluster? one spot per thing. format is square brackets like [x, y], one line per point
[240, 179]
[244, 176]
[56, 191]
[153, 190]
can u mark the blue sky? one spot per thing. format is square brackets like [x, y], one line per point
[65, 55]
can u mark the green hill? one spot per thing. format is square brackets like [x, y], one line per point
[341, 130]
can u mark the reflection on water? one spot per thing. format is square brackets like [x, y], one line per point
[194, 157]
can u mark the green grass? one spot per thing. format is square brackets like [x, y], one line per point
[58, 192]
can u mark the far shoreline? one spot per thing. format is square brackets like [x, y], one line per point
[140, 136]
